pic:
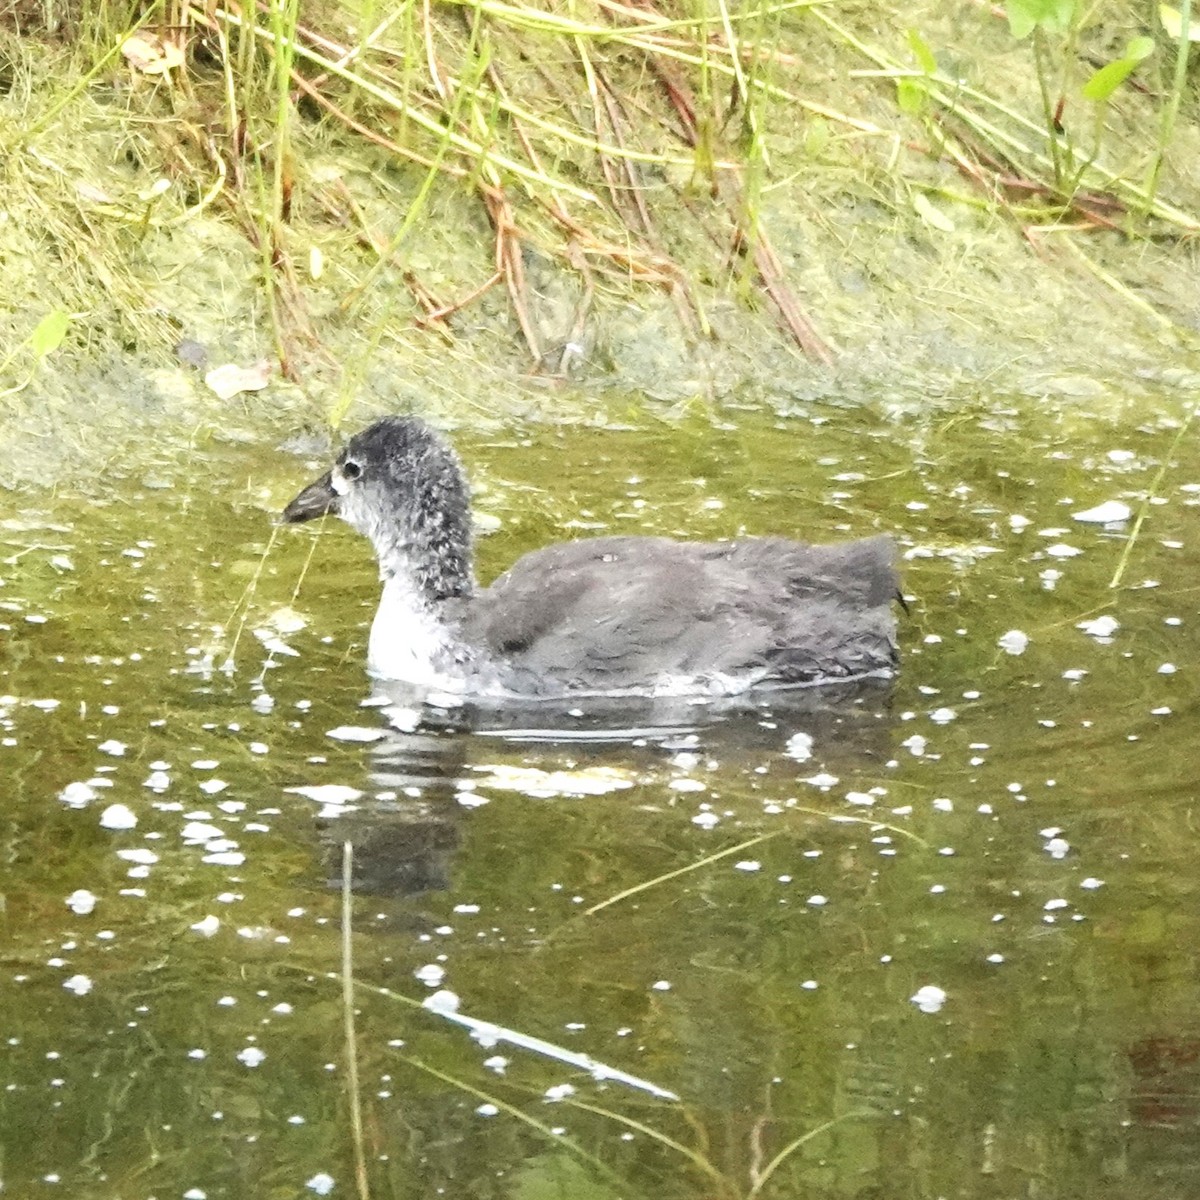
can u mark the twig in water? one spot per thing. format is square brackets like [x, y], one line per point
[356, 1126]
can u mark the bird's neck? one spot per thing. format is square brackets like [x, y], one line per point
[414, 637]
[426, 561]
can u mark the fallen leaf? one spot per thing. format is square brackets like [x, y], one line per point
[148, 53]
[1172, 22]
[49, 333]
[933, 217]
[91, 192]
[230, 380]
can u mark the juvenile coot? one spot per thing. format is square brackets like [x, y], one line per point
[605, 616]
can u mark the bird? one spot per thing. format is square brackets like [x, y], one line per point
[633, 615]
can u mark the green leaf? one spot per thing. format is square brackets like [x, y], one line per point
[49, 333]
[816, 137]
[1105, 81]
[1109, 77]
[1024, 16]
[922, 52]
[911, 96]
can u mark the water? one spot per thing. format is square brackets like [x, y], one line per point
[735, 908]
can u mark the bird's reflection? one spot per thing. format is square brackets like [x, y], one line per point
[405, 831]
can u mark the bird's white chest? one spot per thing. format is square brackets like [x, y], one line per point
[408, 642]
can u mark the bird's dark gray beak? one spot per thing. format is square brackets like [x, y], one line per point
[316, 500]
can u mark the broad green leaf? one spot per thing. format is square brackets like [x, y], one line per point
[49, 333]
[1109, 77]
[1172, 22]
[1024, 16]
[924, 56]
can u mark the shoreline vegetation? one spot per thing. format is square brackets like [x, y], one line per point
[671, 200]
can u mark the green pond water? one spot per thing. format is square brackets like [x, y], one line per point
[694, 936]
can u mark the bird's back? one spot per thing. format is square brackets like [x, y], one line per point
[642, 614]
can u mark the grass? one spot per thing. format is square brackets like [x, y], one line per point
[622, 150]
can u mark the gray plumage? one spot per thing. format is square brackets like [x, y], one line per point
[608, 615]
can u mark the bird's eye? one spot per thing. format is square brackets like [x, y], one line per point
[351, 469]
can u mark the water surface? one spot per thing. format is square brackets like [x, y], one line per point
[732, 908]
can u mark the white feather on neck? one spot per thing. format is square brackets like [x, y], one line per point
[409, 641]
